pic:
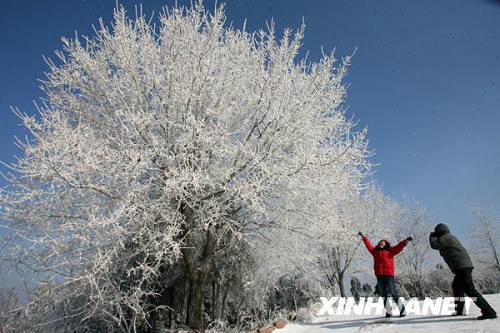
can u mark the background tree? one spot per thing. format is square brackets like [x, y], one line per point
[373, 213]
[356, 288]
[486, 239]
[439, 281]
[159, 144]
[415, 221]
[10, 305]
[367, 290]
[484, 244]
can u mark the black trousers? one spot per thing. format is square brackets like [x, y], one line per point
[462, 285]
[387, 286]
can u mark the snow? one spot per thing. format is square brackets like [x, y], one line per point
[410, 324]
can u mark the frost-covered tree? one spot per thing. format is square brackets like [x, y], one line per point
[373, 213]
[356, 288]
[10, 305]
[413, 263]
[485, 240]
[154, 142]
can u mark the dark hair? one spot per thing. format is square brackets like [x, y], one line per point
[386, 247]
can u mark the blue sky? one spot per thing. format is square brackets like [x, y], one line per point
[425, 80]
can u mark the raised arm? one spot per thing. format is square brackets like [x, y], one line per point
[434, 242]
[368, 244]
[399, 247]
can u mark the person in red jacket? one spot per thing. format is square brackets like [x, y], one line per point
[383, 264]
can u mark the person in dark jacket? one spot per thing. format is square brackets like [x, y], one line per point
[383, 264]
[457, 258]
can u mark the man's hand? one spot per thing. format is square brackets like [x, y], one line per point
[409, 239]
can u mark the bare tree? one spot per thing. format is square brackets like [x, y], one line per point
[415, 221]
[335, 265]
[485, 243]
[372, 212]
[153, 143]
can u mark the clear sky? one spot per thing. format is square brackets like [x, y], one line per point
[425, 80]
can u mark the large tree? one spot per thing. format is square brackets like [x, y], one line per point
[153, 142]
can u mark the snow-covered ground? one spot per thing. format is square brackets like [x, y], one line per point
[410, 323]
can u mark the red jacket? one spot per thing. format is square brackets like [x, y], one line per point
[384, 259]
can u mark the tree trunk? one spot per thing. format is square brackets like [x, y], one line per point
[340, 282]
[198, 272]
[214, 299]
[223, 305]
[294, 300]
[218, 307]
[152, 322]
[196, 297]
[185, 304]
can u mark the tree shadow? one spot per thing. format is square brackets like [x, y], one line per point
[320, 323]
[434, 319]
[363, 322]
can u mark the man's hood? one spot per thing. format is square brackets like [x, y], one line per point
[441, 229]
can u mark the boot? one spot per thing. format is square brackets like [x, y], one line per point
[487, 316]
